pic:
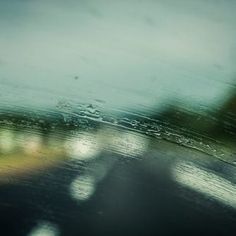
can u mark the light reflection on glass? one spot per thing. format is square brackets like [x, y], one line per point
[7, 139]
[83, 187]
[45, 229]
[205, 182]
[125, 143]
[18, 148]
[82, 147]
[24, 153]
[30, 143]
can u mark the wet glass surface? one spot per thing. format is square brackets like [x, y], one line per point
[117, 117]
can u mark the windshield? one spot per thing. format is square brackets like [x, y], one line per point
[117, 116]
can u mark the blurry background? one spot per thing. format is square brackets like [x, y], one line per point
[117, 117]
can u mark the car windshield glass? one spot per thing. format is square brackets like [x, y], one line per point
[117, 116]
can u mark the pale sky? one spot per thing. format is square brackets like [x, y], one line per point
[131, 54]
